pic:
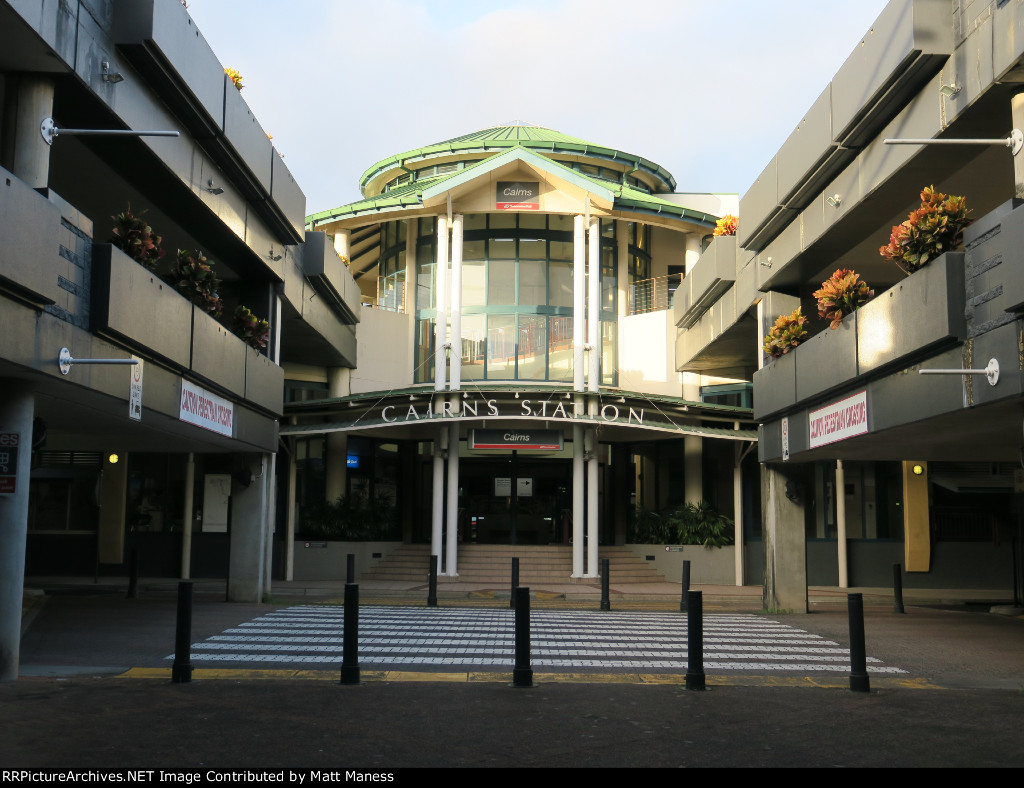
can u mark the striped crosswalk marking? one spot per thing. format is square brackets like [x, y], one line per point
[560, 640]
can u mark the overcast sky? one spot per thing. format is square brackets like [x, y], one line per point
[709, 89]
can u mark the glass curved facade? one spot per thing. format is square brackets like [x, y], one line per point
[517, 298]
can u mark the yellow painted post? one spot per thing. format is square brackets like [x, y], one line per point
[917, 543]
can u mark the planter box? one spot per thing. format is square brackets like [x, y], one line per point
[924, 310]
[330, 277]
[711, 275]
[828, 360]
[708, 565]
[132, 304]
[218, 356]
[29, 233]
[246, 136]
[264, 382]
[324, 560]
[775, 386]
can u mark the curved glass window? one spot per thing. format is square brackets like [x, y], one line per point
[517, 298]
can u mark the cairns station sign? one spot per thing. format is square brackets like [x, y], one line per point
[418, 408]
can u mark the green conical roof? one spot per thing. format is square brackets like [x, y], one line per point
[536, 138]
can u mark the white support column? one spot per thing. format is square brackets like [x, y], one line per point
[289, 554]
[455, 376]
[452, 537]
[844, 581]
[441, 304]
[17, 410]
[737, 508]
[270, 521]
[342, 239]
[579, 385]
[593, 465]
[186, 519]
[594, 309]
[412, 228]
[691, 252]
[437, 503]
[577, 500]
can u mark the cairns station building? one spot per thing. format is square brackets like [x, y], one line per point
[515, 340]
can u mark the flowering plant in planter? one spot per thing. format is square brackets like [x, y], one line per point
[936, 227]
[134, 237]
[726, 225]
[842, 294]
[235, 77]
[192, 274]
[786, 334]
[254, 330]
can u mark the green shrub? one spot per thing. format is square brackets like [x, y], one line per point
[688, 523]
[352, 519]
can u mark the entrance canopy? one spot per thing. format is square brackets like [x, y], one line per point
[416, 412]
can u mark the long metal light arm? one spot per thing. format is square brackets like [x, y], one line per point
[1015, 141]
[50, 131]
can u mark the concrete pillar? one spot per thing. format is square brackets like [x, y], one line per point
[593, 466]
[784, 494]
[577, 500]
[737, 512]
[693, 447]
[289, 546]
[113, 503]
[437, 502]
[249, 519]
[17, 410]
[1017, 116]
[336, 462]
[342, 239]
[30, 159]
[844, 581]
[621, 274]
[186, 518]
[411, 235]
[452, 537]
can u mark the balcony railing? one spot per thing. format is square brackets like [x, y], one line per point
[651, 295]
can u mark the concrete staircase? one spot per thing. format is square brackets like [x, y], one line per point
[539, 565]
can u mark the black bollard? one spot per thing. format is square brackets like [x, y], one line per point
[859, 681]
[686, 586]
[181, 670]
[515, 583]
[897, 589]
[695, 640]
[350, 636]
[133, 574]
[432, 587]
[522, 673]
[606, 603]
[350, 573]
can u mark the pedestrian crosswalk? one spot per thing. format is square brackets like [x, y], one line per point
[482, 639]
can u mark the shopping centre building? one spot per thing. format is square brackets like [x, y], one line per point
[515, 337]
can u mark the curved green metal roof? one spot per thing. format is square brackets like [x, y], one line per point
[411, 196]
[534, 137]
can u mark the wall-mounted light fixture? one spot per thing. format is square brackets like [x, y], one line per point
[950, 90]
[273, 257]
[110, 77]
[834, 200]
[767, 262]
[918, 470]
[211, 188]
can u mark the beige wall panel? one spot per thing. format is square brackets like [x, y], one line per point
[390, 366]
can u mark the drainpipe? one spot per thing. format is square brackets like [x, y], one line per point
[578, 285]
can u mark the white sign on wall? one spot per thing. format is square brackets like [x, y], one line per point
[135, 391]
[206, 410]
[838, 421]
